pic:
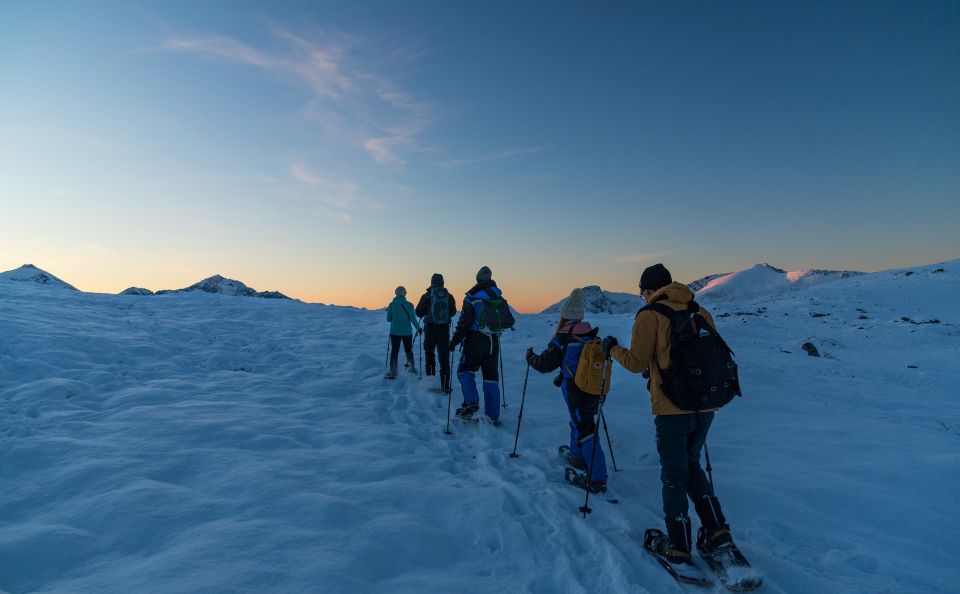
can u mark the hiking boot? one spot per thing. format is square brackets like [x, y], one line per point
[598, 486]
[445, 383]
[580, 480]
[676, 547]
[716, 540]
[711, 516]
[393, 370]
[412, 369]
[466, 411]
[577, 462]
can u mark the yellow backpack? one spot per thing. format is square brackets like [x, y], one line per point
[593, 373]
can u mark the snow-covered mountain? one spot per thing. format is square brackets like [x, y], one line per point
[136, 291]
[225, 286]
[599, 301]
[756, 281]
[764, 279]
[31, 274]
[703, 282]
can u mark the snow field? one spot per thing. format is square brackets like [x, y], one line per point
[198, 443]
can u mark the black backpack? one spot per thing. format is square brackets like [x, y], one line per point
[439, 306]
[702, 374]
[494, 315]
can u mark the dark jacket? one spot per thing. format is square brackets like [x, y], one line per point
[551, 358]
[467, 314]
[423, 307]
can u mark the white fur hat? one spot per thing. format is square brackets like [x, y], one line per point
[573, 307]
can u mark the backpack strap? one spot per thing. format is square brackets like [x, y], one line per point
[662, 309]
[563, 351]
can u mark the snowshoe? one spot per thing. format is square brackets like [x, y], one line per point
[495, 422]
[655, 543]
[575, 461]
[720, 553]
[580, 479]
[467, 411]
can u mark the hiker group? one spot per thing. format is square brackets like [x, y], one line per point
[484, 315]
[674, 343]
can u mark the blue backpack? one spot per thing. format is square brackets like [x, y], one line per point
[439, 306]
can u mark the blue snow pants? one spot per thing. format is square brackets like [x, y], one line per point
[481, 353]
[584, 437]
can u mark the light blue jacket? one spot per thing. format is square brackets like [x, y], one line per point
[401, 315]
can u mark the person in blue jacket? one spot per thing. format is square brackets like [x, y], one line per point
[402, 320]
[481, 346]
[563, 352]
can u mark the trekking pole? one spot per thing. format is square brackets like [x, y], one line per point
[596, 434]
[503, 384]
[421, 356]
[523, 398]
[609, 445]
[386, 361]
[706, 454]
[449, 394]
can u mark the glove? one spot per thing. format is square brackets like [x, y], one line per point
[530, 354]
[607, 344]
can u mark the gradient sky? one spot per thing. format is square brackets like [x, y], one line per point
[333, 150]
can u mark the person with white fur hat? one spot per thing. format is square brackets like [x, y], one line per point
[563, 352]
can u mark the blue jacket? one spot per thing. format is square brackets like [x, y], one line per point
[563, 352]
[472, 303]
[401, 316]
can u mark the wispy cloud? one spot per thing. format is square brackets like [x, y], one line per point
[352, 102]
[634, 258]
[505, 154]
[335, 194]
[386, 150]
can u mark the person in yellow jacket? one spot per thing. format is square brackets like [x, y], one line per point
[680, 433]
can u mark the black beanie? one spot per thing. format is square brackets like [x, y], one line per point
[484, 275]
[436, 280]
[655, 277]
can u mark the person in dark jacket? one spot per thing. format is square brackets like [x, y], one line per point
[437, 308]
[481, 350]
[563, 352]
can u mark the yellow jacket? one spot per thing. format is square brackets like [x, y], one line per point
[650, 344]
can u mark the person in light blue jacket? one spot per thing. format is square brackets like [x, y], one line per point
[403, 319]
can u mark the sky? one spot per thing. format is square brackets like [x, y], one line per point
[333, 150]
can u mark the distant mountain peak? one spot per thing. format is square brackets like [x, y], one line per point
[30, 273]
[222, 285]
[597, 300]
[762, 279]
